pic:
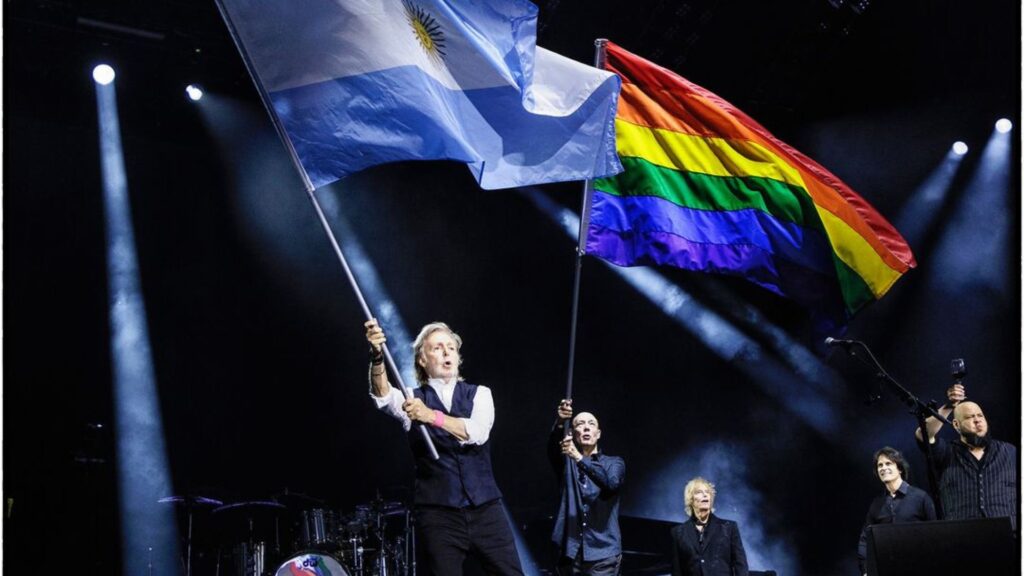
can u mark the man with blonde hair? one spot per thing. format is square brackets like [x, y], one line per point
[706, 545]
[458, 504]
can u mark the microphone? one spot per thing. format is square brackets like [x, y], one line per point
[832, 342]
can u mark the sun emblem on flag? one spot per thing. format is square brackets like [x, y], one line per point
[427, 30]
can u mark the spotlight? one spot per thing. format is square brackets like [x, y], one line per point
[960, 148]
[194, 92]
[1003, 125]
[103, 74]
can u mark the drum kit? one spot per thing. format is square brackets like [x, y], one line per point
[296, 535]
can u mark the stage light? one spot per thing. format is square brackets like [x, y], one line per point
[919, 212]
[1003, 125]
[981, 256]
[194, 92]
[149, 532]
[103, 74]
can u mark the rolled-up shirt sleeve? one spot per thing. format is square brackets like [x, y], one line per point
[392, 405]
[480, 421]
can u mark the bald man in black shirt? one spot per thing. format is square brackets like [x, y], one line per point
[977, 473]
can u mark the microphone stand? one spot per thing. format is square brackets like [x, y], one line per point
[918, 408]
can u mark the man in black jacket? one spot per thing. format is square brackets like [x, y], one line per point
[706, 545]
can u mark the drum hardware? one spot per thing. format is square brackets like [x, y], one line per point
[297, 500]
[393, 554]
[318, 529]
[353, 553]
[256, 519]
[410, 544]
[189, 503]
[251, 558]
[376, 539]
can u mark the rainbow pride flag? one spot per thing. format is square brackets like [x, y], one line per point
[707, 188]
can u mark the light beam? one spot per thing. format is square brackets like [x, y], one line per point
[149, 529]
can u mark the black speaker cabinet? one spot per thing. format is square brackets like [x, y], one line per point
[982, 546]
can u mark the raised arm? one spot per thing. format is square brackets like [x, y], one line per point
[379, 384]
[555, 454]
[384, 396]
[954, 395]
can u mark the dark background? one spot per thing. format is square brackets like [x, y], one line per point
[257, 342]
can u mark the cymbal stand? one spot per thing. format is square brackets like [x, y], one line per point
[188, 541]
[409, 562]
[357, 554]
[254, 554]
[382, 553]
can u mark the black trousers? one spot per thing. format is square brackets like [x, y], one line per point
[448, 535]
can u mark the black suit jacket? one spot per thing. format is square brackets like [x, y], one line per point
[718, 553]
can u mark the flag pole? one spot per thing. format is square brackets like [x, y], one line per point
[366, 312]
[569, 471]
[581, 249]
[311, 192]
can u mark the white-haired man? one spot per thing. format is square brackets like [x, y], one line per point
[706, 545]
[458, 504]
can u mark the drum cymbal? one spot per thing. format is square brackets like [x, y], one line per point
[297, 499]
[381, 507]
[255, 506]
[191, 501]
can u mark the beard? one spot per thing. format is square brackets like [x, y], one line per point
[975, 441]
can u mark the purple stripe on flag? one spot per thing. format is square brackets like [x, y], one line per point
[624, 248]
[725, 238]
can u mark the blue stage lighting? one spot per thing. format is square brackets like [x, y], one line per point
[731, 467]
[194, 92]
[1003, 125]
[103, 74]
[980, 255]
[923, 206]
[377, 296]
[149, 530]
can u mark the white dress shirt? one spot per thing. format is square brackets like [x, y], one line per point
[478, 425]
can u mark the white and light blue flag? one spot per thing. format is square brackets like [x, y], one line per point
[356, 83]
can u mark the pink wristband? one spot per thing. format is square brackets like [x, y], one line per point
[438, 418]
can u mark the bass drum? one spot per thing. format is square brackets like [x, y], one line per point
[312, 564]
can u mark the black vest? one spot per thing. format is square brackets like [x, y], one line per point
[462, 475]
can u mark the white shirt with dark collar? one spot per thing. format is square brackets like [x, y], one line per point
[479, 423]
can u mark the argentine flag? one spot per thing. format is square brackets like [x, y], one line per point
[356, 83]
